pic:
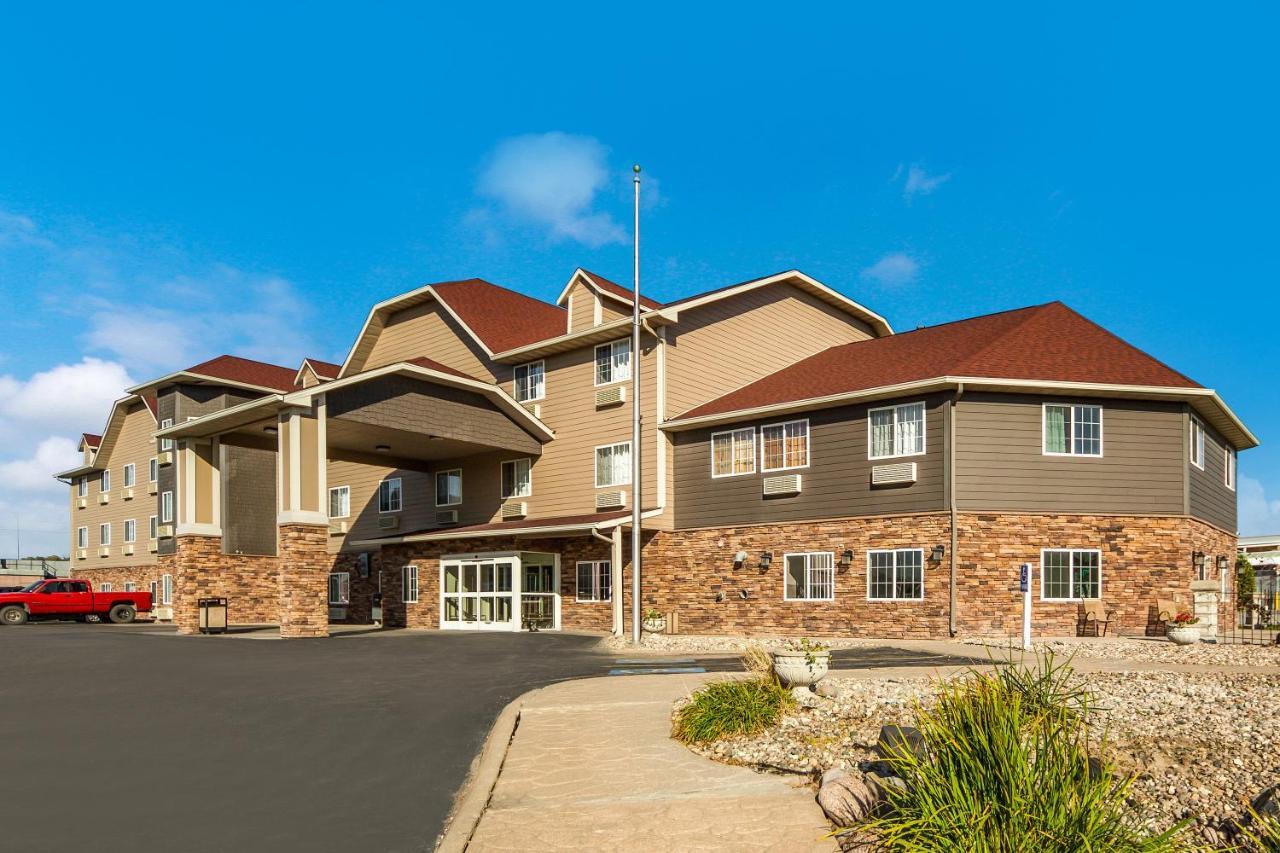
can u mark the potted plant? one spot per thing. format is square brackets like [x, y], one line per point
[800, 663]
[1182, 630]
[654, 622]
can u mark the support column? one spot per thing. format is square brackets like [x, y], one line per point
[1205, 595]
[198, 531]
[303, 522]
[615, 579]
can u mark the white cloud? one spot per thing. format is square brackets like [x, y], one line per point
[893, 270]
[68, 398]
[552, 180]
[35, 473]
[920, 182]
[1259, 514]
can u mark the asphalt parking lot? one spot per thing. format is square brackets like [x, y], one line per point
[130, 737]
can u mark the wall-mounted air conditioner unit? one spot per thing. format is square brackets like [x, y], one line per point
[164, 457]
[338, 528]
[611, 396]
[104, 498]
[126, 550]
[446, 516]
[337, 614]
[153, 546]
[389, 522]
[786, 484]
[81, 553]
[534, 409]
[898, 472]
[81, 503]
[127, 494]
[104, 551]
[514, 509]
[610, 500]
[153, 488]
[165, 531]
[164, 613]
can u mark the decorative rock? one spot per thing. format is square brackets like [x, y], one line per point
[893, 739]
[1267, 804]
[882, 784]
[827, 688]
[804, 696]
[846, 799]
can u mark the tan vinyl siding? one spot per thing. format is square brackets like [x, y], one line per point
[427, 330]
[1209, 498]
[417, 493]
[1000, 464]
[582, 307]
[836, 484]
[612, 309]
[727, 344]
[132, 445]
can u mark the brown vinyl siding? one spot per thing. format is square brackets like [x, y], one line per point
[1000, 464]
[837, 483]
[1209, 498]
[428, 330]
[417, 499]
[249, 499]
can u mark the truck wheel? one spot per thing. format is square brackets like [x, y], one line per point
[13, 616]
[122, 614]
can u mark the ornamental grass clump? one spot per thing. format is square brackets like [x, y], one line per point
[737, 707]
[1008, 768]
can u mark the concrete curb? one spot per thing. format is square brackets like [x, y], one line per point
[473, 797]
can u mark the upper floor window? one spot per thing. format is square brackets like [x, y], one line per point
[449, 487]
[1072, 430]
[166, 443]
[784, 445]
[153, 526]
[131, 530]
[389, 495]
[153, 470]
[733, 452]
[104, 534]
[531, 381]
[895, 431]
[82, 537]
[340, 502]
[613, 464]
[1197, 443]
[810, 577]
[517, 479]
[895, 574]
[106, 481]
[166, 507]
[1229, 468]
[1070, 575]
[130, 475]
[82, 487]
[613, 362]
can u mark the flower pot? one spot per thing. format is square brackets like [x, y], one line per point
[1184, 635]
[654, 626]
[800, 669]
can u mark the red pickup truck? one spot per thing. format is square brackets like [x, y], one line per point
[68, 598]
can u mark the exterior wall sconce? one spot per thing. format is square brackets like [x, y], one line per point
[938, 552]
[743, 594]
[1197, 560]
[719, 597]
[1223, 565]
[739, 559]
[270, 430]
[846, 560]
[382, 448]
[766, 560]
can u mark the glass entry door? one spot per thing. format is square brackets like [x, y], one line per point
[478, 594]
[538, 594]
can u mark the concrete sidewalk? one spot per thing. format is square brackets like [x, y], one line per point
[591, 766]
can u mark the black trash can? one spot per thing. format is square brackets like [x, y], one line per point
[213, 615]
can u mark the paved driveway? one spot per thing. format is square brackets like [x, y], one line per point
[131, 737]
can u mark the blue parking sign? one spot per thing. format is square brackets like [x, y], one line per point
[1024, 578]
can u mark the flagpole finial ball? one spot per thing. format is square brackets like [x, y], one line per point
[636, 168]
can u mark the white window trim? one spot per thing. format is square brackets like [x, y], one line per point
[1071, 566]
[105, 586]
[595, 465]
[515, 385]
[1197, 442]
[502, 468]
[130, 586]
[346, 576]
[1071, 439]
[597, 566]
[808, 449]
[894, 552]
[104, 484]
[346, 489]
[732, 455]
[436, 487]
[153, 470]
[409, 591]
[166, 590]
[166, 443]
[924, 429]
[82, 487]
[631, 363]
[400, 489]
[104, 527]
[1229, 468]
[153, 526]
[166, 507]
[82, 537]
[130, 475]
[130, 522]
[808, 570]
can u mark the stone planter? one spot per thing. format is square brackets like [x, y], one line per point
[654, 626]
[801, 669]
[1184, 635]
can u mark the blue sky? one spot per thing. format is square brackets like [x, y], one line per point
[277, 171]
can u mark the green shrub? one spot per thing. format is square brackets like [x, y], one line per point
[727, 708]
[1007, 769]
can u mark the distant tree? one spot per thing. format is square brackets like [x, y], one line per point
[1246, 580]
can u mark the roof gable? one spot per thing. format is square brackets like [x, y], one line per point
[245, 371]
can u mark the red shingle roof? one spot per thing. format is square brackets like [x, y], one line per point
[432, 364]
[1043, 343]
[324, 369]
[246, 371]
[153, 404]
[503, 319]
[622, 292]
[92, 440]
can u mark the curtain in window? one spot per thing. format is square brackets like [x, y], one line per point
[613, 465]
[1055, 429]
[882, 433]
[722, 454]
[772, 452]
[621, 361]
[910, 430]
[797, 444]
[744, 451]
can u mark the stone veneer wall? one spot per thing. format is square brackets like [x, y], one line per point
[118, 576]
[250, 584]
[360, 608]
[303, 583]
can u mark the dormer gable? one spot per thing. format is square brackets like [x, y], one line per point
[590, 300]
[314, 371]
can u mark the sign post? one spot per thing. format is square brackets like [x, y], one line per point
[1024, 584]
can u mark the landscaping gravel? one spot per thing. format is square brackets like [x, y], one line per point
[1156, 650]
[701, 643]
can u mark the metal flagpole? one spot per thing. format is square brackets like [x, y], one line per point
[635, 421]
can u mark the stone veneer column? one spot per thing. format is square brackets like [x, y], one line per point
[303, 522]
[304, 580]
[196, 561]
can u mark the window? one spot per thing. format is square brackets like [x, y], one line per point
[166, 507]
[82, 537]
[613, 362]
[784, 446]
[517, 478]
[153, 526]
[1229, 468]
[613, 465]
[410, 584]
[166, 443]
[166, 590]
[105, 587]
[130, 586]
[104, 534]
[810, 577]
[339, 589]
[106, 481]
[1072, 430]
[895, 574]
[153, 470]
[130, 475]
[895, 431]
[389, 495]
[340, 502]
[131, 530]
[1197, 444]
[733, 452]
[449, 487]
[531, 381]
[1070, 575]
[82, 487]
[595, 581]
[155, 593]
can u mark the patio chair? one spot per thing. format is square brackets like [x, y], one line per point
[1097, 615]
[1166, 610]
